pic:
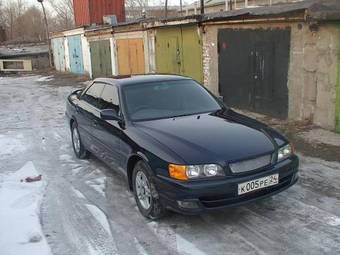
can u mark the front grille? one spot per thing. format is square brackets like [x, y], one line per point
[251, 164]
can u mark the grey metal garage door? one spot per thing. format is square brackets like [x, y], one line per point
[253, 69]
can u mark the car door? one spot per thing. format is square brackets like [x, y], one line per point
[109, 132]
[88, 114]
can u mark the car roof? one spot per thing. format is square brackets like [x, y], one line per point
[145, 78]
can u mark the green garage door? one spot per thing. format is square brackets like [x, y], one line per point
[179, 51]
[101, 58]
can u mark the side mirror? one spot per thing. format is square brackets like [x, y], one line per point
[77, 92]
[110, 114]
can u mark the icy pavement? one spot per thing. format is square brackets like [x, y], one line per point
[20, 201]
[87, 208]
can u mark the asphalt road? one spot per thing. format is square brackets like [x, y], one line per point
[89, 210]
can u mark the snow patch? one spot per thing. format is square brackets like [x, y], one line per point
[95, 174]
[11, 145]
[78, 193]
[100, 217]
[92, 250]
[98, 184]
[45, 78]
[187, 247]
[76, 171]
[169, 237]
[20, 227]
[66, 157]
[139, 247]
[334, 221]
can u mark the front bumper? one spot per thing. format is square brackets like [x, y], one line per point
[222, 193]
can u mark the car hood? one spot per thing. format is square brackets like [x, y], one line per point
[208, 138]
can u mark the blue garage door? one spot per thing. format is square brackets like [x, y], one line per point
[75, 51]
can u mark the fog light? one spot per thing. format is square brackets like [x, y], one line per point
[188, 204]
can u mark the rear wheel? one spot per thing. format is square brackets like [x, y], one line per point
[78, 147]
[146, 196]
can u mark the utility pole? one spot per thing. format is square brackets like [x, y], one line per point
[181, 7]
[166, 8]
[202, 6]
[47, 33]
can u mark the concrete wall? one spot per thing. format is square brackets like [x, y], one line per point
[40, 61]
[34, 62]
[312, 74]
[26, 65]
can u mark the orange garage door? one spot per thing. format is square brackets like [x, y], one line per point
[130, 53]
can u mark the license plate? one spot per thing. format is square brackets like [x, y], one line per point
[257, 184]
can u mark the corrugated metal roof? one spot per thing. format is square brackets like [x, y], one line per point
[87, 12]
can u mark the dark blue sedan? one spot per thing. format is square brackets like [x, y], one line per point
[179, 147]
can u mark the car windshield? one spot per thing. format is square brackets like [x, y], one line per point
[158, 100]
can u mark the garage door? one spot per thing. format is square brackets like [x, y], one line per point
[76, 54]
[253, 69]
[179, 51]
[101, 58]
[59, 54]
[130, 54]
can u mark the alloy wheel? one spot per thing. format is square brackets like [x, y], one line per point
[143, 190]
[76, 140]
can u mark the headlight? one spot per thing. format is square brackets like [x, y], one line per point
[284, 152]
[182, 172]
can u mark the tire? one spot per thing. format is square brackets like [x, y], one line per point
[77, 145]
[154, 209]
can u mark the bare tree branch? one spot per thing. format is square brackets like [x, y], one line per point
[64, 11]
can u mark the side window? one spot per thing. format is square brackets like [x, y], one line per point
[109, 98]
[92, 95]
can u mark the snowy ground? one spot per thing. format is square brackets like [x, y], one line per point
[87, 209]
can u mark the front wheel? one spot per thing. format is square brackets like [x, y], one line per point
[78, 147]
[146, 196]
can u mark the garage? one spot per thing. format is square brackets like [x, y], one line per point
[59, 54]
[75, 54]
[130, 55]
[179, 51]
[101, 58]
[253, 69]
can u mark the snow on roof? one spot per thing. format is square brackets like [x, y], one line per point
[23, 50]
